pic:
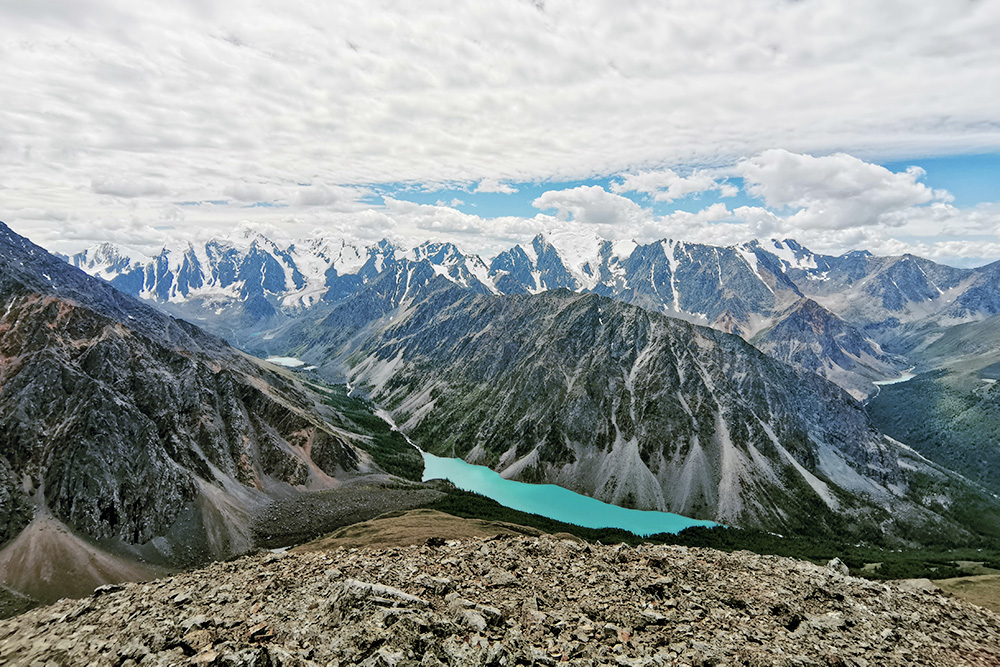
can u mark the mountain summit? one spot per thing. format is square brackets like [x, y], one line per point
[629, 406]
[850, 319]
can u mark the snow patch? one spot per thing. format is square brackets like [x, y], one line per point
[580, 253]
[751, 260]
[789, 258]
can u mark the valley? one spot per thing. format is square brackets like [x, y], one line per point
[487, 334]
[132, 443]
[853, 319]
[369, 316]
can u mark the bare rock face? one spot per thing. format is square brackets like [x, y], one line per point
[126, 432]
[641, 410]
[447, 605]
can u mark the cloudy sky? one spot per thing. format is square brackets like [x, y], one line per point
[841, 123]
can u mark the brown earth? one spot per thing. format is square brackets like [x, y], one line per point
[405, 529]
[300, 518]
[983, 590]
[47, 562]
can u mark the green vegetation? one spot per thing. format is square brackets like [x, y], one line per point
[873, 559]
[932, 563]
[388, 448]
[468, 505]
[957, 429]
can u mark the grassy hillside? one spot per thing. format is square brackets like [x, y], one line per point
[957, 428]
[388, 447]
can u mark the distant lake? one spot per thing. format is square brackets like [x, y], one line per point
[290, 362]
[552, 501]
[287, 362]
[905, 377]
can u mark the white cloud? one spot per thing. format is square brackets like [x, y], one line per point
[917, 229]
[667, 185]
[591, 204]
[114, 112]
[195, 96]
[493, 185]
[836, 191]
[713, 224]
[120, 186]
[329, 196]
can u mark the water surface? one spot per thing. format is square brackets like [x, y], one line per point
[287, 362]
[905, 377]
[552, 501]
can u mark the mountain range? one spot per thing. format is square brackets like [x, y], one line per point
[131, 441]
[853, 319]
[626, 405]
[547, 364]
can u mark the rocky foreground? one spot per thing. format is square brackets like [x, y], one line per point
[504, 601]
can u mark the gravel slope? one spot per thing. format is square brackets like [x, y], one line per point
[506, 600]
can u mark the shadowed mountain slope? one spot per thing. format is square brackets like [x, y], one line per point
[628, 406]
[127, 432]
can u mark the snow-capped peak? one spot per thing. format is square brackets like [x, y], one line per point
[436, 253]
[107, 259]
[790, 254]
[580, 252]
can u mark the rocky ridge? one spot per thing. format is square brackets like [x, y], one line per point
[637, 409]
[871, 311]
[130, 439]
[504, 601]
[247, 283]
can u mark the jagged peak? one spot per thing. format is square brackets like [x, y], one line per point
[791, 254]
[107, 254]
[582, 252]
[384, 246]
[437, 252]
[247, 235]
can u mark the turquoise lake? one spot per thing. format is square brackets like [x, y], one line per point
[552, 501]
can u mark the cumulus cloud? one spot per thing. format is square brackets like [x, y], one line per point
[667, 185]
[591, 204]
[586, 209]
[835, 191]
[115, 112]
[493, 185]
[335, 197]
[243, 191]
[192, 95]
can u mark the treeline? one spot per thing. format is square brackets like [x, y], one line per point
[388, 448]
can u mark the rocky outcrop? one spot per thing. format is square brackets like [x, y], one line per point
[810, 337]
[505, 601]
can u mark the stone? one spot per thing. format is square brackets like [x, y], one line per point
[499, 577]
[107, 588]
[471, 619]
[919, 586]
[838, 566]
